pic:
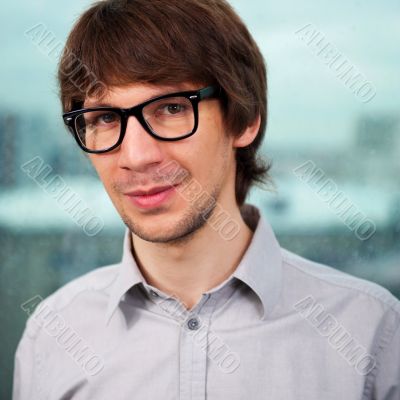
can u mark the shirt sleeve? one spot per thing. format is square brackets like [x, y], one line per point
[387, 382]
[23, 369]
[26, 385]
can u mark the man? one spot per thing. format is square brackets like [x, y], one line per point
[168, 99]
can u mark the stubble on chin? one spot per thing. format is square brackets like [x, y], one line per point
[181, 231]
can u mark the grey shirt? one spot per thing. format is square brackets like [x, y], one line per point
[280, 327]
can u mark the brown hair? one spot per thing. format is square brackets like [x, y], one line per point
[117, 42]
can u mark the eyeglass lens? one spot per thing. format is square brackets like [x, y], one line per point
[168, 118]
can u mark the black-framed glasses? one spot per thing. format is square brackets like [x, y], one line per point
[170, 117]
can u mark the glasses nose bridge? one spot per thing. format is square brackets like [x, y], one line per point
[135, 111]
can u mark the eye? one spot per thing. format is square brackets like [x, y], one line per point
[101, 119]
[106, 118]
[174, 108]
[168, 109]
[171, 108]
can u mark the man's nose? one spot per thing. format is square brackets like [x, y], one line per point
[139, 149]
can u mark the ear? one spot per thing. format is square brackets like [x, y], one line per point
[249, 134]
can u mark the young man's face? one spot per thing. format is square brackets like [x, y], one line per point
[207, 157]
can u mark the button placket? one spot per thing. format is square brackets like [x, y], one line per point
[193, 350]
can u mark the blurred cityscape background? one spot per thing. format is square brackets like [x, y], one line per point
[313, 118]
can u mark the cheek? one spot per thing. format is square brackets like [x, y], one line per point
[104, 166]
[208, 157]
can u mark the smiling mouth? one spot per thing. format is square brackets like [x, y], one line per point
[146, 201]
[148, 192]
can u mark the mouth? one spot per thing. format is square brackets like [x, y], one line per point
[156, 199]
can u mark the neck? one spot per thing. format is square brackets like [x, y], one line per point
[187, 270]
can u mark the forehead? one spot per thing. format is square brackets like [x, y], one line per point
[129, 95]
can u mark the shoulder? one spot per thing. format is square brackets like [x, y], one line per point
[97, 281]
[338, 291]
[356, 317]
[85, 295]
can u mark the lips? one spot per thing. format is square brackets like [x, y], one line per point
[148, 192]
[149, 201]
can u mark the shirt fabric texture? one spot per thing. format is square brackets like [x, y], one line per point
[281, 327]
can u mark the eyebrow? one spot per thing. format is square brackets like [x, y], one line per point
[162, 93]
[96, 104]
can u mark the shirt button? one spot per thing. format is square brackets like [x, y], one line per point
[193, 324]
[154, 293]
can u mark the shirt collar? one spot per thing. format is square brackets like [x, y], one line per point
[128, 276]
[260, 267]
